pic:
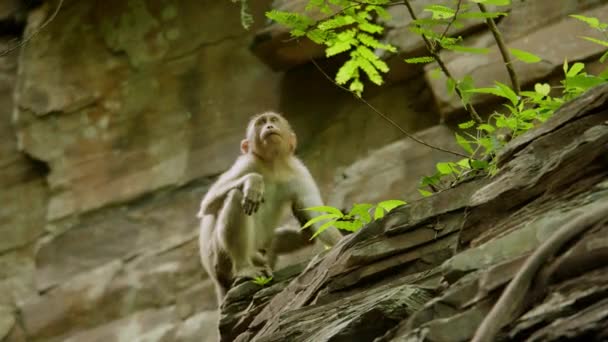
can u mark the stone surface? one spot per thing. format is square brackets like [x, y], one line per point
[484, 228]
[389, 172]
[122, 233]
[147, 325]
[553, 43]
[107, 134]
[117, 289]
[125, 110]
[21, 179]
[200, 327]
[336, 129]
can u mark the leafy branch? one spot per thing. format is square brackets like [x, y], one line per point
[434, 53]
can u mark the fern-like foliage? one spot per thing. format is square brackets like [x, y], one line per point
[350, 29]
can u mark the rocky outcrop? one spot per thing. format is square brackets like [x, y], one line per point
[431, 270]
[115, 118]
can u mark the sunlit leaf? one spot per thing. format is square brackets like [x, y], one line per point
[525, 56]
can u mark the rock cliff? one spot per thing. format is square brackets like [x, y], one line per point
[432, 269]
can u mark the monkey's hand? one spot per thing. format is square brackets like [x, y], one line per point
[253, 192]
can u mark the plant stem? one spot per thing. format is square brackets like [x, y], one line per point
[502, 48]
[429, 46]
[447, 27]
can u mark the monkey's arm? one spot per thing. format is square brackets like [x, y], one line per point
[234, 178]
[307, 195]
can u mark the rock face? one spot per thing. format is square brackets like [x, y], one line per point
[431, 270]
[117, 115]
[115, 118]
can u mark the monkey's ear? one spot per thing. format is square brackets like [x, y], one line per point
[293, 142]
[244, 146]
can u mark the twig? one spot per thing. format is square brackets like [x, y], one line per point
[502, 48]
[429, 46]
[28, 38]
[383, 116]
[447, 28]
[513, 297]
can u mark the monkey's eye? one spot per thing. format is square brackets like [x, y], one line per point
[274, 119]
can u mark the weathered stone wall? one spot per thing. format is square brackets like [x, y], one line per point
[115, 118]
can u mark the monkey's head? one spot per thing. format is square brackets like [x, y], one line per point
[269, 135]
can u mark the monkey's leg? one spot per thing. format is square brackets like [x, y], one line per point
[236, 233]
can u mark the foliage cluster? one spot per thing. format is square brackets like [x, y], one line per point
[354, 27]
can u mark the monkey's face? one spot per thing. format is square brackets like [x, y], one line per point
[269, 134]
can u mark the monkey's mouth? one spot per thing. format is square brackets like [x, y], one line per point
[268, 134]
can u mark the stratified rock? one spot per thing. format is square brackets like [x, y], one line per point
[394, 171]
[133, 100]
[457, 250]
[148, 325]
[201, 327]
[115, 290]
[120, 233]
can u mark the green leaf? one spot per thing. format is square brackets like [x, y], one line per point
[349, 225]
[486, 127]
[347, 71]
[460, 48]
[337, 48]
[604, 57]
[356, 87]
[479, 164]
[444, 168]
[319, 218]
[326, 209]
[525, 56]
[371, 28]
[583, 82]
[378, 213]
[381, 11]
[417, 60]
[368, 54]
[593, 22]
[508, 92]
[597, 41]
[463, 143]
[440, 12]
[575, 69]
[261, 280]
[323, 228]
[336, 22]
[386, 206]
[425, 193]
[432, 180]
[361, 210]
[466, 125]
[464, 85]
[389, 205]
[542, 88]
[370, 70]
[493, 2]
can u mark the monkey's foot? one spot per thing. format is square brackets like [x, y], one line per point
[250, 274]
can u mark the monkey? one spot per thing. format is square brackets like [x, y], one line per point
[240, 213]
